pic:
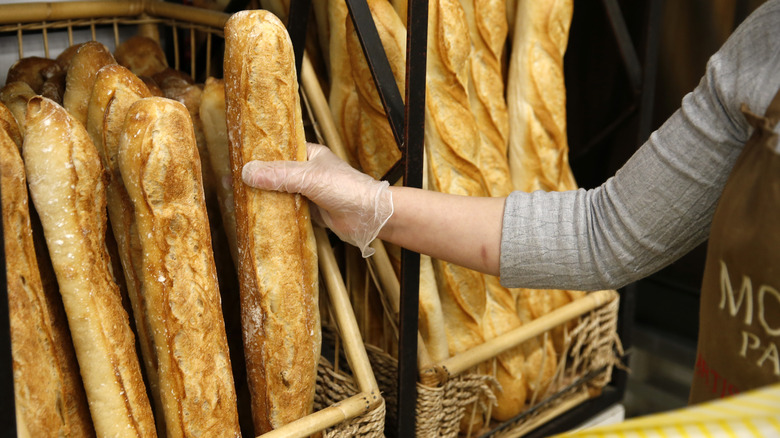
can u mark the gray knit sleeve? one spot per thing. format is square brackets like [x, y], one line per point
[660, 204]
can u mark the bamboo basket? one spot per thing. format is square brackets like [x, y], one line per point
[347, 400]
[452, 390]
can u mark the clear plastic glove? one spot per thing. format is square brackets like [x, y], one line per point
[352, 204]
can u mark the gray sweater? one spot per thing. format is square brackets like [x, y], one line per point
[660, 204]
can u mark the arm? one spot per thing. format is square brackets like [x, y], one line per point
[459, 229]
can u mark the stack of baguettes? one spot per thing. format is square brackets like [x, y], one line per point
[125, 165]
[485, 136]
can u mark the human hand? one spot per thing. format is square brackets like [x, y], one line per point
[352, 204]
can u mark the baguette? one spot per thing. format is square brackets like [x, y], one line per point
[114, 91]
[377, 150]
[88, 59]
[343, 98]
[488, 30]
[48, 394]
[30, 70]
[15, 96]
[213, 116]
[9, 125]
[141, 55]
[536, 97]
[277, 251]
[66, 182]
[161, 171]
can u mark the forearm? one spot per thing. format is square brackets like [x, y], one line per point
[459, 229]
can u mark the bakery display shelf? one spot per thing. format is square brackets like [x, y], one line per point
[345, 404]
[405, 413]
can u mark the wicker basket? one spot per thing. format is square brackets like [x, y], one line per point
[347, 401]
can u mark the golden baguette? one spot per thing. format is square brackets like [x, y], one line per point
[141, 55]
[276, 247]
[536, 97]
[67, 184]
[159, 162]
[15, 96]
[212, 114]
[48, 395]
[343, 98]
[114, 91]
[88, 59]
[377, 150]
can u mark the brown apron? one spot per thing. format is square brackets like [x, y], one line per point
[739, 329]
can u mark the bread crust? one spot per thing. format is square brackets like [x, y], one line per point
[277, 252]
[141, 55]
[159, 162]
[15, 96]
[67, 184]
[49, 397]
[343, 98]
[114, 91]
[377, 150]
[30, 70]
[89, 58]
[214, 118]
[536, 97]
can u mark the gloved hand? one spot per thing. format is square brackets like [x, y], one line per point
[352, 204]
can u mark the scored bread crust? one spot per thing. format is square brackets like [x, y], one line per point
[67, 184]
[159, 163]
[536, 97]
[141, 55]
[277, 251]
[212, 114]
[377, 150]
[48, 394]
[115, 89]
[343, 98]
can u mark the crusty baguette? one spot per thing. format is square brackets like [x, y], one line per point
[536, 97]
[141, 55]
[343, 98]
[88, 59]
[214, 118]
[48, 394]
[161, 171]
[176, 87]
[66, 56]
[488, 29]
[15, 96]
[29, 70]
[114, 91]
[66, 182]
[277, 252]
[9, 125]
[377, 150]
[475, 305]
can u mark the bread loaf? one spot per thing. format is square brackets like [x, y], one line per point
[451, 149]
[88, 59]
[177, 87]
[213, 116]
[48, 394]
[66, 56]
[343, 98]
[15, 96]
[30, 70]
[114, 91]
[536, 97]
[487, 29]
[377, 150]
[66, 181]
[161, 171]
[141, 55]
[277, 252]
[9, 125]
